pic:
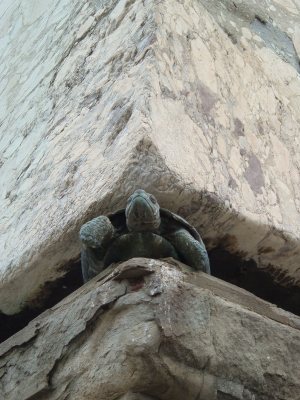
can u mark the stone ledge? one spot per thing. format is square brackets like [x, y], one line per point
[158, 329]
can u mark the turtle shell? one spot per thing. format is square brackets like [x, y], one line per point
[170, 222]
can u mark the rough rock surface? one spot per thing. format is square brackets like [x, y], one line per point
[196, 101]
[148, 329]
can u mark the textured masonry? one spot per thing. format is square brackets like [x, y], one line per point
[195, 101]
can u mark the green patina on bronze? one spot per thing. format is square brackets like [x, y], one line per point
[142, 229]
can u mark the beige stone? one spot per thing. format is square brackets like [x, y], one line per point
[99, 99]
[296, 39]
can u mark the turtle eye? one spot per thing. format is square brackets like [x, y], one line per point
[153, 199]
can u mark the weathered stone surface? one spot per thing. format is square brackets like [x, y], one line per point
[195, 101]
[148, 329]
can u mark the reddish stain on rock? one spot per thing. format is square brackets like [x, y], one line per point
[136, 284]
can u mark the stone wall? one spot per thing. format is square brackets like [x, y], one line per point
[195, 101]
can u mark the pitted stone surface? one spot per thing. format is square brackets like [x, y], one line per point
[182, 98]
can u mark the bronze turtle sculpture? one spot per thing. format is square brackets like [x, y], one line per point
[142, 229]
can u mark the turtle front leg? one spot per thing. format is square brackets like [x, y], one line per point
[95, 236]
[190, 251]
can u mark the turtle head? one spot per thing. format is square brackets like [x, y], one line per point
[142, 212]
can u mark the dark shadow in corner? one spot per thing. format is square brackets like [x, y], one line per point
[52, 293]
[245, 274]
